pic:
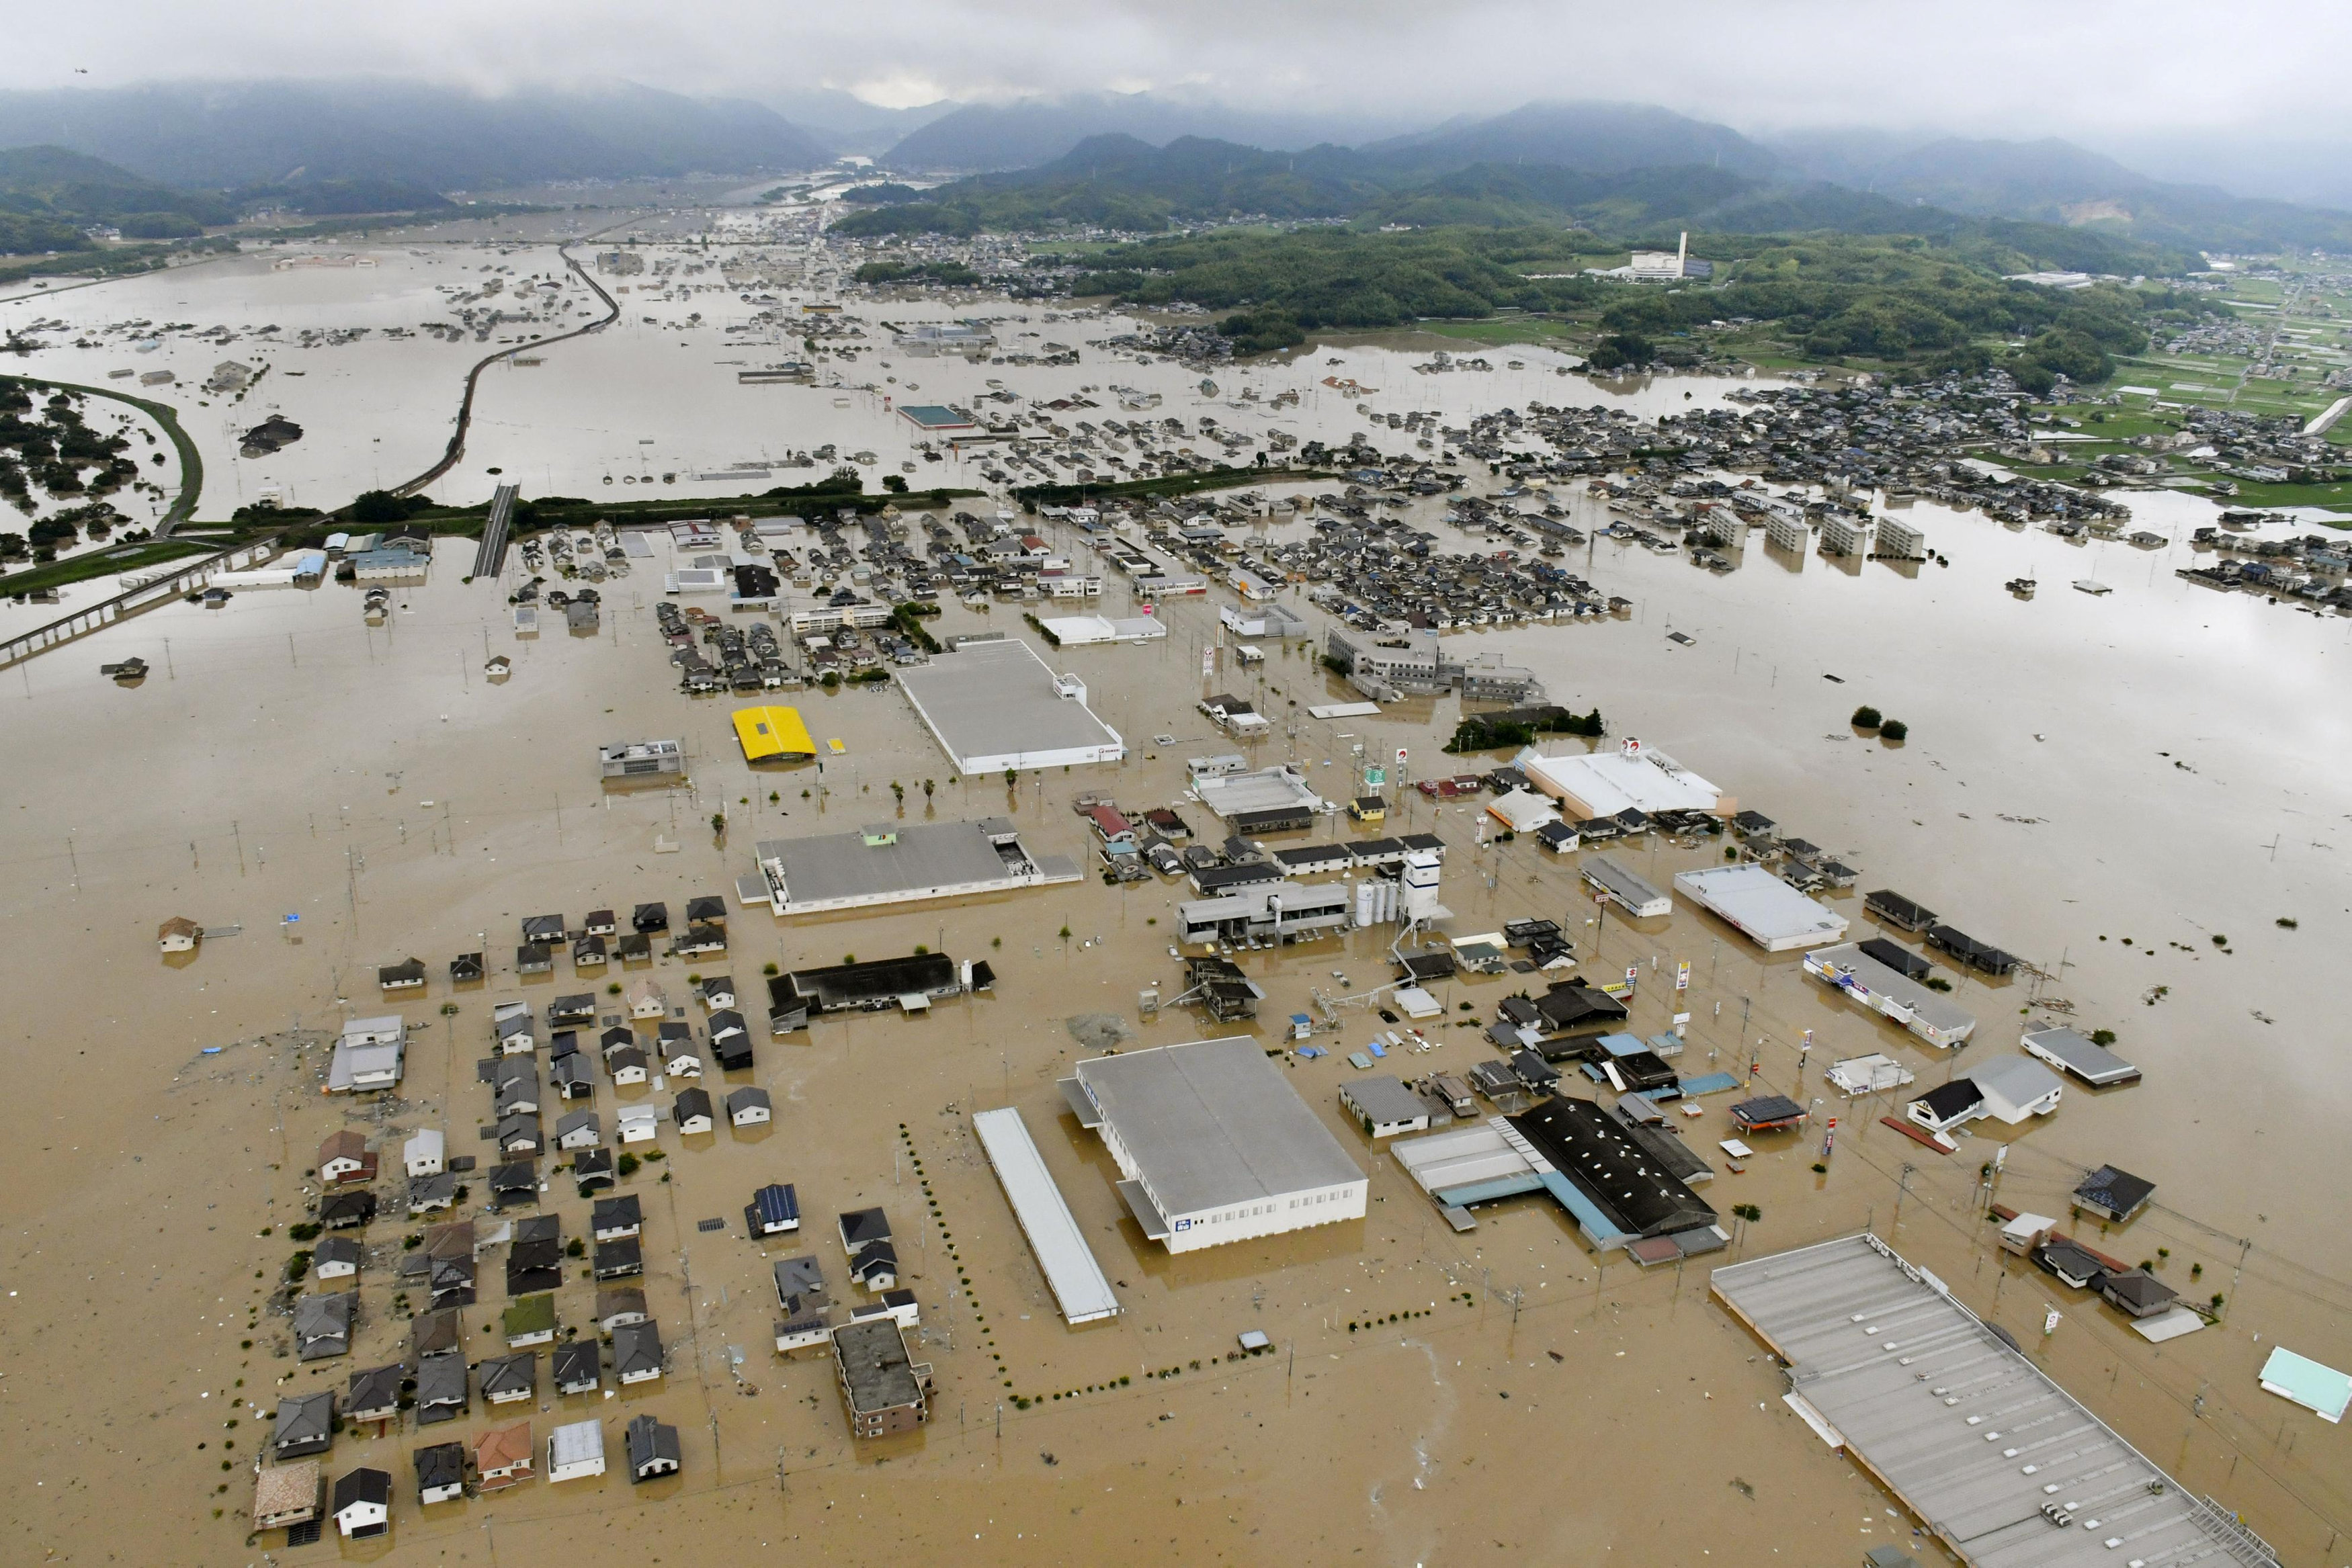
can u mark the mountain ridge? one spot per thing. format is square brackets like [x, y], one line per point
[226, 134]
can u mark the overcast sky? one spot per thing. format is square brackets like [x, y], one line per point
[2100, 69]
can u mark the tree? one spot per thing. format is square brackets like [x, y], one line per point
[895, 483]
[380, 507]
[1893, 729]
[1620, 351]
[1865, 718]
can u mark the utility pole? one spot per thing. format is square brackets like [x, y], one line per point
[2244, 1247]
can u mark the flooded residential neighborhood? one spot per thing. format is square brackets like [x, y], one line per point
[1031, 935]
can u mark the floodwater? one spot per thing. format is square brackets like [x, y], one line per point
[286, 759]
[643, 397]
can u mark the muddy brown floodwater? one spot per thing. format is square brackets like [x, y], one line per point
[1430, 1397]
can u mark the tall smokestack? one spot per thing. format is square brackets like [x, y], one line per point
[1682, 255]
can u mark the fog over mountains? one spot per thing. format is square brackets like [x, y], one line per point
[402, 142]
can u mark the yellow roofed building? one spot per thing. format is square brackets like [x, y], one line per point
[774, 735]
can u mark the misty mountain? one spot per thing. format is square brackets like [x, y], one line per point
[1597, 138]
[226, 134]
[2055, 182]
[48, 195]
[343, 198]
[1124, 182]
[847, 123]
[1032, 132]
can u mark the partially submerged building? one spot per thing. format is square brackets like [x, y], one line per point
[887, 1390]
[371, 1054]
[1611, 1184]
[773, 734]
[1081, 1289]
[1999, 1463]
[995, 707]
[2113, 1195]
[288, 1495]
[1277, 911]
[1760, 906]
[910, 984]
[2080, 1057]
[642, 759]
[1630, 777]
[903, 863]
[1383, 1106]
[1929, 1015]
[1637, 898]
[1214, 1143]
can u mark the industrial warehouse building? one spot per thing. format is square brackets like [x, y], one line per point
[1997, 1462]
[1635, 896]
[995, 707]
[898, 863]
[1630, 777]
[1938, 1021]
[1274, 911]
[1626, 1185]
[1080, 1288]
[774, 735]
[1215, 1144]
[1760, 907]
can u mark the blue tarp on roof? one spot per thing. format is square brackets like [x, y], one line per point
[1487, 1191]
[1713, 1083]
[1589, 1218]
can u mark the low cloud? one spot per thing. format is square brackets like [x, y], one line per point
[1988, 67]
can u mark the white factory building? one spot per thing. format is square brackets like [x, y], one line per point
[995, 706]
[1215, 1144]
[1632, 777]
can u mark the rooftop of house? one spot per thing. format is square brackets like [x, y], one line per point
[875, 1366]
[2116, 1191]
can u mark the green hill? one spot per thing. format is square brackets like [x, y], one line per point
[48, 195]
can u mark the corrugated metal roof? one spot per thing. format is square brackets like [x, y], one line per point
[1967, 1432]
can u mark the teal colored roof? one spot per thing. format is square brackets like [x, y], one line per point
[1713, 1083]
[1487, 1191]
[934, 416]
[1589, 1217]
[2309, 1382]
